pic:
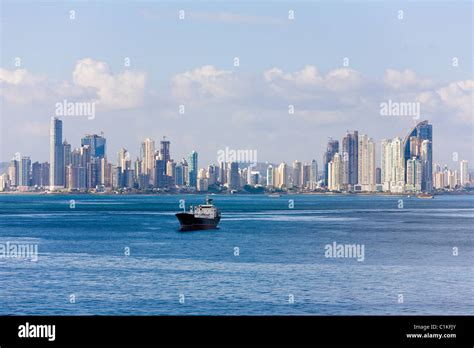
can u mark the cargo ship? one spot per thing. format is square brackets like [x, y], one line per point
[202, 217]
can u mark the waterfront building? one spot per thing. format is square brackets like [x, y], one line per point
[193, 169]
[56, 179]
[332, 149]
[147, 153]
[297, 174]
[335, 173]
[97, 144]
[350, 157]
[412, 148]
[25, 172]
[233, 176]
[464, 173]
[366, 160]
[40, 174]
[14, 173]
[270, 176]
[414, 175]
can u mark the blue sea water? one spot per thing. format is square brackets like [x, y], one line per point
[281, 256]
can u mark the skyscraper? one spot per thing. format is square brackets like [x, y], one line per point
[297, 174]
[305, 175]
[392, 165]
[332, 149]
[281, 177]
[350, 157]
[148, 159]
[427, 166]
[464, 173]
[56, 172]
[314, 173]
[25, 171]
[97, 144]
[13, 172]
[270, 176]
[412, 148]
[193, 168]
[233, 176]
[414, 174]
[335, 173]
[366, 167]
[165, 150]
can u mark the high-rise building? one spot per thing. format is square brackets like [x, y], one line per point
[165, 150]
[314, 174]
[161, 179]
[306, 175]
[25, 171]
[378, 175]
[233, 176]
[297, 173]
[97, 144]
[427, 166]
[56, 178]
[414, 175]
[464, 173]
[412, 148]
[148, 159]
[193, 169]
[350, 157]
[332, 149]
[201, 181]
[181, 172]
[123, 159]
[270, 176]
[14, 173]
[212, 174]
[40, 174]
[366, 167]
[335, 171]
[281, 177]
[222, 173]
[392, 165]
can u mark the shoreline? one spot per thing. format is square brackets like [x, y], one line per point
[276, 195]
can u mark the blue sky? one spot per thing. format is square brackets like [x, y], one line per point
[161, 47]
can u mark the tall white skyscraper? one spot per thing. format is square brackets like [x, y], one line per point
[366, 167]
[335, 173]
[464, 173]
[270, 176]
[148, 159]
[56, 173]
[414, 174]
[392, 165]
[297, 169]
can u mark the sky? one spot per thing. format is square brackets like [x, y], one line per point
[334, 62]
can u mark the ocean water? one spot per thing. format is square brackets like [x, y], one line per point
[279, 268]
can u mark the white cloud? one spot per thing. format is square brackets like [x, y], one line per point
[92, 80]
[404, 80]
[454, 100]
[205, 83]
[119, 91]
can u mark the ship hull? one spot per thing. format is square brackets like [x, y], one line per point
[189, 222]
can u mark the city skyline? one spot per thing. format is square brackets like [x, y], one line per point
[406, 166]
